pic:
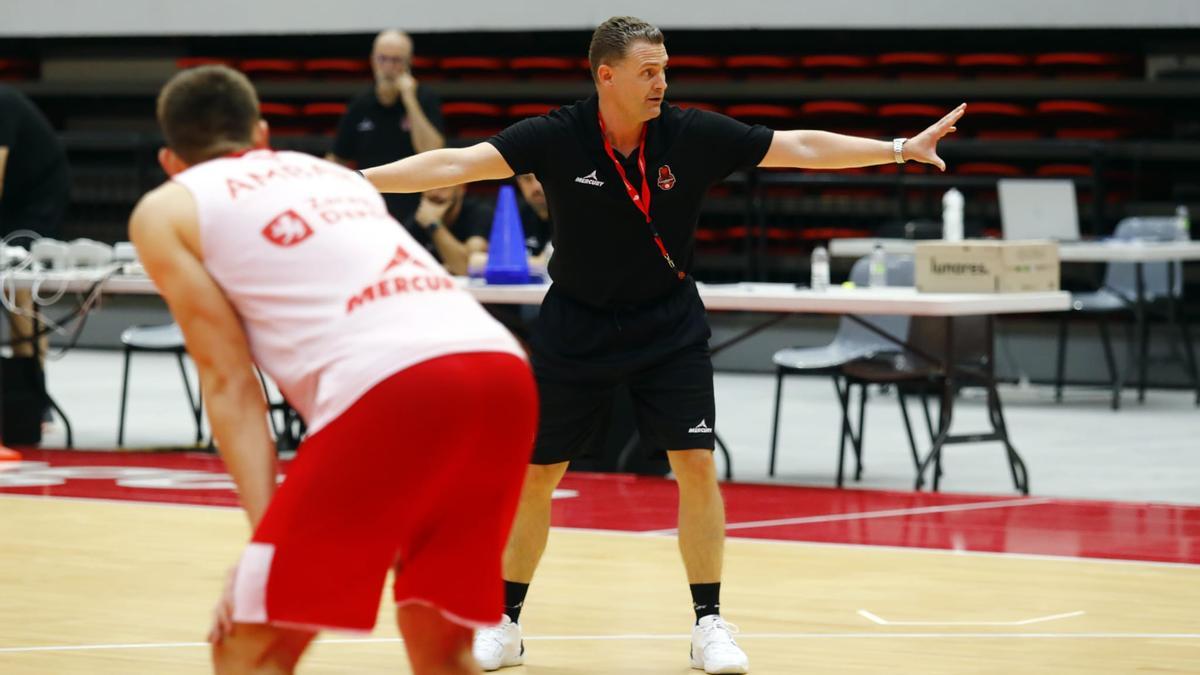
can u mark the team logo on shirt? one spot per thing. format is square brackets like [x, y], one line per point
[366, 125]
[287, 229]
[701, 428]
[590, 179]
[666, 179]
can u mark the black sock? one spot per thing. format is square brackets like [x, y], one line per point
[514, 598]
[706, 599]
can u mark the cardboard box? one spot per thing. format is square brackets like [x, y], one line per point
[987, 266]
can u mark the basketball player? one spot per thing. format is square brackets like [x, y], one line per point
[293, 263]
[625, 176]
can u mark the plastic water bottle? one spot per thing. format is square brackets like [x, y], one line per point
[952, 215]
[878, 267]
[1183, 221]
[820, 269]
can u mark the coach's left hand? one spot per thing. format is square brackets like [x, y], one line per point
[923, 147]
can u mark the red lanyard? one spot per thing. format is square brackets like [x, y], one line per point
[642, 201]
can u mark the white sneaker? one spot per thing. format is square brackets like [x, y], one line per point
[713, 648]
[500, 646]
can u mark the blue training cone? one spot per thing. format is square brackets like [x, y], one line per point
[507, 263]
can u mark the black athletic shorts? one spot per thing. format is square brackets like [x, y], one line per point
[581, 355]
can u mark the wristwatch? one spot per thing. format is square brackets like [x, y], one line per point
[898, 149]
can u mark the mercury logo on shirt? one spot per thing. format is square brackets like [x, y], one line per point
[590, 179]
[424, 281]
[701, 428]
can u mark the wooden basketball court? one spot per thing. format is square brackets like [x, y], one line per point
[125, 587]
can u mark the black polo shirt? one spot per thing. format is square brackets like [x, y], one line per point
[370, 134]
[36, 182]
[604, 254]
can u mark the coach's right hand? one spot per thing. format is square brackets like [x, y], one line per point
[923, 147]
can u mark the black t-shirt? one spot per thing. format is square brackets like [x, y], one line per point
[36, 183]
[604, 254]
[537, 231]
[370, 134]
[474, 220]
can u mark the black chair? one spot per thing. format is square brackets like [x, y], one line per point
[852, 344]
[944, 356]
[165, 338]
[1162, 282]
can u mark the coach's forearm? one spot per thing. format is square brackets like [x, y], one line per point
[808, 149]
[424, 171]
[440, 168]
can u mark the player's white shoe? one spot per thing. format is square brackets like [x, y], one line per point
[500, 646]
[713, 647]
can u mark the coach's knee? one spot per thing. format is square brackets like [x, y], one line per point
[541, 479]
[693, 467]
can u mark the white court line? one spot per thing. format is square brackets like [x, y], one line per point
[875, 618]
[880, 635]
[886, 513]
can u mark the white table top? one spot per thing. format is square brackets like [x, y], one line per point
[742, 297]
[757, 297]
[1080, 251]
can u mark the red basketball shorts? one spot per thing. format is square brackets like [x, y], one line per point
[421, 474]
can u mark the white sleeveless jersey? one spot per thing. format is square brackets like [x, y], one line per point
[333, 293]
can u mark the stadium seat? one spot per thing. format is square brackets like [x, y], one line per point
[547, 67]
[916, 65]
[337, 68]
[759, 66]
[270, 68]
[472, 67]
[837, 66]
[994, 65]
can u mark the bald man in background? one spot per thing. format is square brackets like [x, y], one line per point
[395, 119]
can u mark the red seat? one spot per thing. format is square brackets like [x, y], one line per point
[757, 66]
[846, 117]
[838, 66]
[1086, 64]
[908, 167]
[322, 118]
[270, 68]
[761, 113]
[909, 119]
[994, 65]
[1064, 171]
[337, 68]
[520, 111]
[329, 109]
[997, 120]
[283, 118]
[987, 169]
[470, 119]
[825, 233]
[916, 65]
[1084, 120]
[697, 105]
[554, 67]
[468, 67]
[691, 66]
[424, 67]
[185, 62]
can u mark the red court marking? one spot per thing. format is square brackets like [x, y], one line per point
[1003, 524]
